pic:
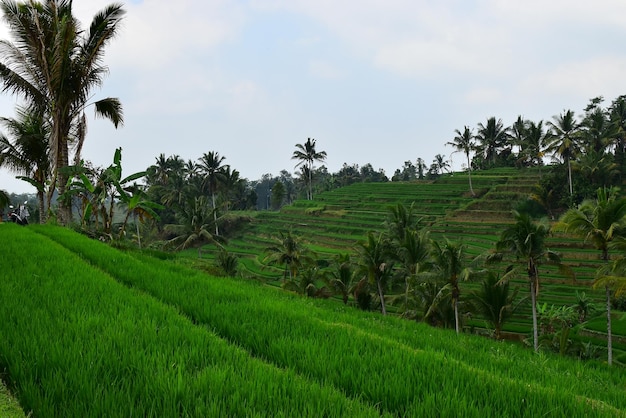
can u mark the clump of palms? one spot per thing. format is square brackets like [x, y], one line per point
[195, 222]
[54, 65]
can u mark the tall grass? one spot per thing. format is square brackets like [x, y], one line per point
[76, 343]
[405, 368]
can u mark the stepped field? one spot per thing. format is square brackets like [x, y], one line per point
[89, 330]
[336, 220]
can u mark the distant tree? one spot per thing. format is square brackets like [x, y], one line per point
[287, 251]
[213, 173]
[491, 138]
[195, 221]
[375, 264]
[464, 142]
[449, 264]
[565, 141]
[495, 302]
[307, 154]
[278, 195]
[525, 240]
[599, 221]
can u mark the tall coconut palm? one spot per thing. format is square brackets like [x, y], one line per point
[307, 154]
[491, 138]
[449, 265]
[565, 141]
[525, 240]
[54, 66]
[212, 170]
[288, 251]
[599, 221]
[25, 151]
[375, 264]
[535, 141]
[465, 142]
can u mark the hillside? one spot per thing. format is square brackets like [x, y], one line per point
[89, 330]
[336, 220]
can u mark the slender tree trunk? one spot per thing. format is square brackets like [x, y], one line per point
[469, 175]
[382, 297]
[137, 226]
[42, 206]
[533, 298]
[609, 333]
[217, 231]
[569, 176]
[456, 315]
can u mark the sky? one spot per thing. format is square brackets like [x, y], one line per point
[378, 82]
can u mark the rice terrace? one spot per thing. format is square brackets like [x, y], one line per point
[186, 290]
[93, 330]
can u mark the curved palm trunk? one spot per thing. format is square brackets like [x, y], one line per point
[382, 297]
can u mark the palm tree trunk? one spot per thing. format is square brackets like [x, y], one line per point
[217, 231]
[533, 298]
[569, 176]
[42, 207]
[609, 333]
[311, 181]
[137, 227]
[382, 297]
[456, 315]
[469, 175]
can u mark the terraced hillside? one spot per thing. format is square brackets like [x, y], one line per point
[335, 221]
[92, 331]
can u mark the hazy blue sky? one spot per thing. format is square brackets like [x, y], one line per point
[378, 82]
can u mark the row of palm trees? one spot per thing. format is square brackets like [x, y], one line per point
[595, 143]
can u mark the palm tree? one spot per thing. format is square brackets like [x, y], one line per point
[465, 142]
[210, 165]
[25, 151]
[565, 141]
[448, 262]
[289, 252]
[375, 264]
[54, 65]
[494, 300]
[307, 154]
[599, 221]
[340, 276]
[525, 240]
[195, 219]
[440, 164]
[491, 139]
[535, 142]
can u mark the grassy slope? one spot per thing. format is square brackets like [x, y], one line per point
[412, 351]
[336, 220]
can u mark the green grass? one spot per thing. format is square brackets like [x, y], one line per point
[402, 367]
